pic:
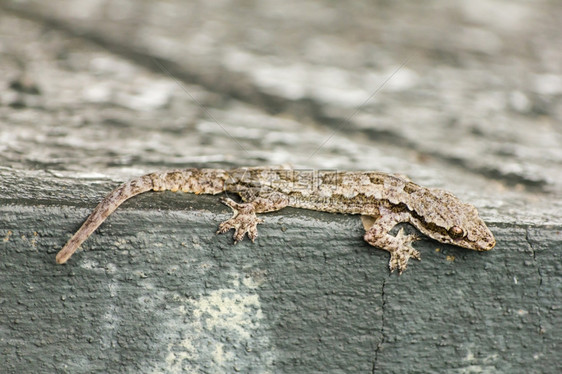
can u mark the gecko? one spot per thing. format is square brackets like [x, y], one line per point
[382, 200]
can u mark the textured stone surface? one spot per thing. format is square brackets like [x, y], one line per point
[155, 290]
[476, 109]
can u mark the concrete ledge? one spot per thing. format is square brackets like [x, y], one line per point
[155, 290]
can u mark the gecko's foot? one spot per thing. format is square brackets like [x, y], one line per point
[399, 257]
[244, 221]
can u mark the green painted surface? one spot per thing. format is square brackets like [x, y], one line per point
[154, 290]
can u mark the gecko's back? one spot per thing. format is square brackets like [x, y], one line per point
[325, 190]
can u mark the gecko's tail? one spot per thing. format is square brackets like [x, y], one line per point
[102, 211]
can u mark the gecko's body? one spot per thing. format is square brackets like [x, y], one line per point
[383, 200]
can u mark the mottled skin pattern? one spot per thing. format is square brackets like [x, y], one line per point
[381, 199]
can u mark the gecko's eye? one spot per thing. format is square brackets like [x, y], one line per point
[456, 232]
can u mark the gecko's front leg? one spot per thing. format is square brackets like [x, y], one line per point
[244, 220]
[399, 246]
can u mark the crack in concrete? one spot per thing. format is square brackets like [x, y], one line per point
[528, 240]
[379, 345]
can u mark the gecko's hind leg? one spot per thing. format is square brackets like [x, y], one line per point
[244, 220]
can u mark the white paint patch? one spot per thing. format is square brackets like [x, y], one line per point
[220, 330]
[474, 364]
[476, 369]
[225, 309]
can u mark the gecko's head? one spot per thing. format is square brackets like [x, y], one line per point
[471, 232]
[456, 223]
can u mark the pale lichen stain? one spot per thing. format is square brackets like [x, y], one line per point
[226, 309]
[34, 240]
[232, 315]
[7, 237]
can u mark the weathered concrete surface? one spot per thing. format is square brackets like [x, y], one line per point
[475, 110]
[154, 290]
[483, 77]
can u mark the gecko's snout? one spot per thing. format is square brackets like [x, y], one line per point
[486, 241]
[478, 237]
[488, 245]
